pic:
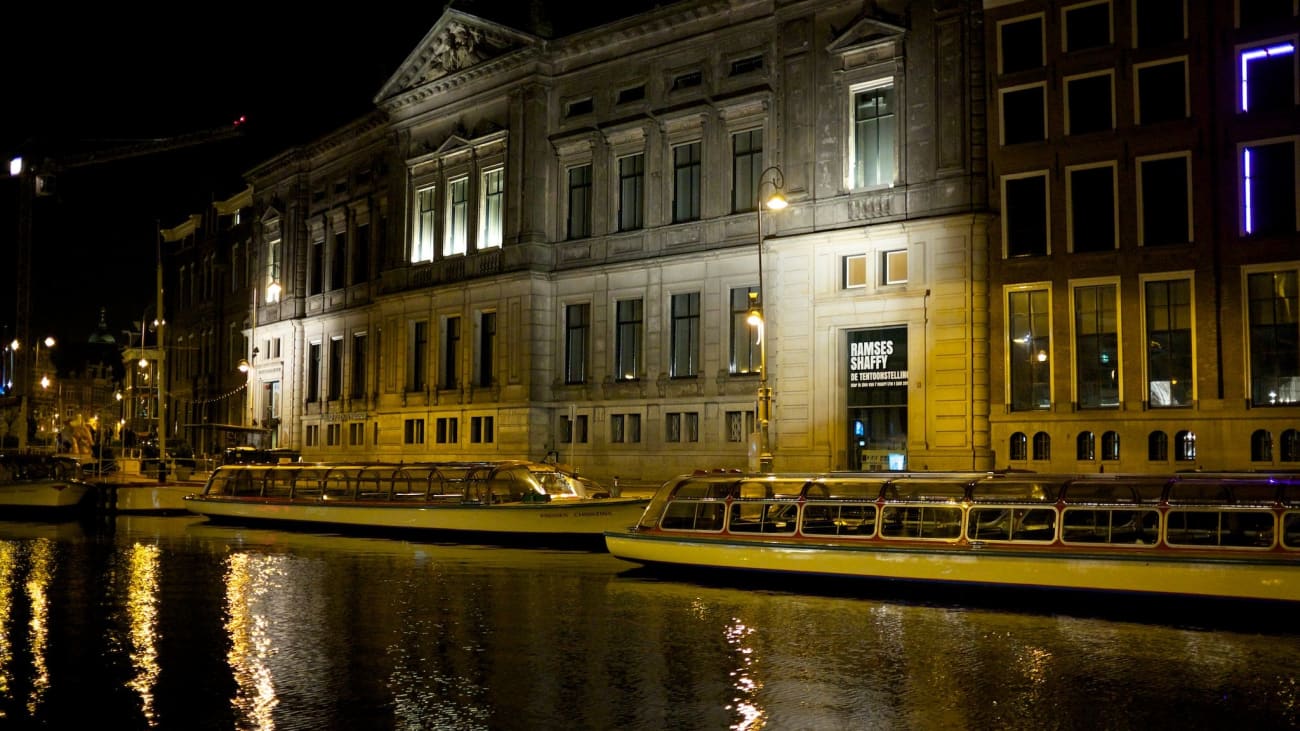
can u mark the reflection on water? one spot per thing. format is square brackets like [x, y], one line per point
[199, 626]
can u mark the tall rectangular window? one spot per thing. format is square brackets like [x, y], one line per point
[451, 353]
[361, 254]
[1169, 342]
[316, 268]
[745, 353]
[1164, 199]
[1024, 215]
[1092, 211]
[1020, 44]
[579, 202]
[627, 339]
[1268, 185]
[1089, 104]
[418, 357]
[1024, 114]
[746, 166]
[1274, 338]
[356, 434]
[487, 347]
[1161, 91]
[1030, 349]
[874, 136]
[576, 324]
[313, 373]
[457, 217]
[631, 192]
[1096, 346]
[426, 219]
[686, 182]
[335, 389]
[492, 208]
[413, 431]
[685, 335]
[359, 366]
[273, 284]
[338, 260]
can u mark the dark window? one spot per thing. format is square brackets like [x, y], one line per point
[1162, 92]
[1085, 447]
[1042, 446]
[1110, 446]
[1269, 183]
[1164, 205]
[579, 202]
[1255, 12]
[335, 389]
[688, 80]
[627, 340]
[1157, 447]
[1261, 446]
[1023, 116]
[1019, 446]
[1092, 209]
[631, 94]
[338, 260]
[1087, 26]
[1159, 22]
[451, 354]
[576, 324]
[1089, 103]
[316, 269]
[686, 182]
[358, 366]
[631, 195]
[419, 355]
[361, 255]
[1291, 445]
[1021, 44]
[1025, 216]
[487, 341]
[313, 373]
[746, 65]
[746, 165]
[580, 107]
[685, 335]
[1274, 338]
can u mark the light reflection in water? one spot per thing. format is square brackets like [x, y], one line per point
[8, 557]
[748, 686]
[142, 611]
[38, 584]
[248, 578]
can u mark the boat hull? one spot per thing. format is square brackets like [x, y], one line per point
[1148, 572]
[43, 495]
[144, 498]
[560, 518]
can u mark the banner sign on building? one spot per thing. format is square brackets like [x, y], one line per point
[877, 360]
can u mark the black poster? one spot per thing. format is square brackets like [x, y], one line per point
[878, 366]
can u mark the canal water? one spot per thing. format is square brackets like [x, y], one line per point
[175, 623]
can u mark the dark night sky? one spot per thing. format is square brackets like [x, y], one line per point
[112, 78]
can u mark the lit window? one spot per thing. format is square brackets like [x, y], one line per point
[855, 271]
[895, 268]
[457, 217]
[492, 210]
[1110, 446]
[1096, 346]
[1168, 307]
[1185, 446]
[874, 136]
[425, 220]
[1029, 349]
[1274, 339]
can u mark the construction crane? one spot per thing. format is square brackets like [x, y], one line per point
[39, 178]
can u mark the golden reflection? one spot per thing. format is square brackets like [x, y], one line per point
[745, 705]
[142, 611]
[8, 557]
[39, 578]
[248, 577]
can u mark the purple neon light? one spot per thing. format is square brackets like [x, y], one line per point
[1256, 54]
[1246, 165]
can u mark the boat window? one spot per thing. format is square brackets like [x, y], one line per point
[1289, 495]
[843, 489]
[763, 516]
[1110, 525]
[693, 515]
[1035, 491]
[925, 490]
[705, 489]
[1222, 492]
[1231, 528]
[304, 483]
[340, 483]
[839, 519]
[1113, 491]
[921, 521]
[1291, 529]
[1011, 524]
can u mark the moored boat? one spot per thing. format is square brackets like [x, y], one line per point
[1223, 536]
[504, 499]
[37, 483]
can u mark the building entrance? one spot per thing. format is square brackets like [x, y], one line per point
[877, 398]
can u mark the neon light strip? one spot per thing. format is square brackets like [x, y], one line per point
[1280, 49]
[1247, 181]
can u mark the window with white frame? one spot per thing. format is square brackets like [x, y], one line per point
[1273, 304]
[1159, 22]
[855, 271]
[426, 219]
[1164, 199]
[579, 219]
[1167, 305]
[1269, 196]
[1025, 214]
[1161, 91]
[1086, 25]
[1024, 113]
[492, 208]
[686, 182]
[457, 238]
[1020, 44]
[1096, 346]
[1268, 75]
[744, 336]
[746, 166]
[1089, 103]
[894, 267]
[1029, 348]
[874, 135]
[1092, 216]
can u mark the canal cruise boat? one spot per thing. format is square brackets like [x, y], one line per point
[501, 499]
[33, 484]
[1225, 536]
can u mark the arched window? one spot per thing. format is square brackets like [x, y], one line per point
[1291, 446]
[1042, 446]
[1019, 446]
[1158, 447]
[1110, 446]
[1261, 446]
[1085, 447]
[1185, 446]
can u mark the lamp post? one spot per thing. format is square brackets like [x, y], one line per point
[27, 389]
[776, 201]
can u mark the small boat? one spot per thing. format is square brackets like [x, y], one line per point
[1229, 536]
[31, 483]
[503, 499]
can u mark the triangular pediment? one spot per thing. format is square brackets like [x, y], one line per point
[458, 41]
[868, 31]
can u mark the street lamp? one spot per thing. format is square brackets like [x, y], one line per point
[758, 301]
